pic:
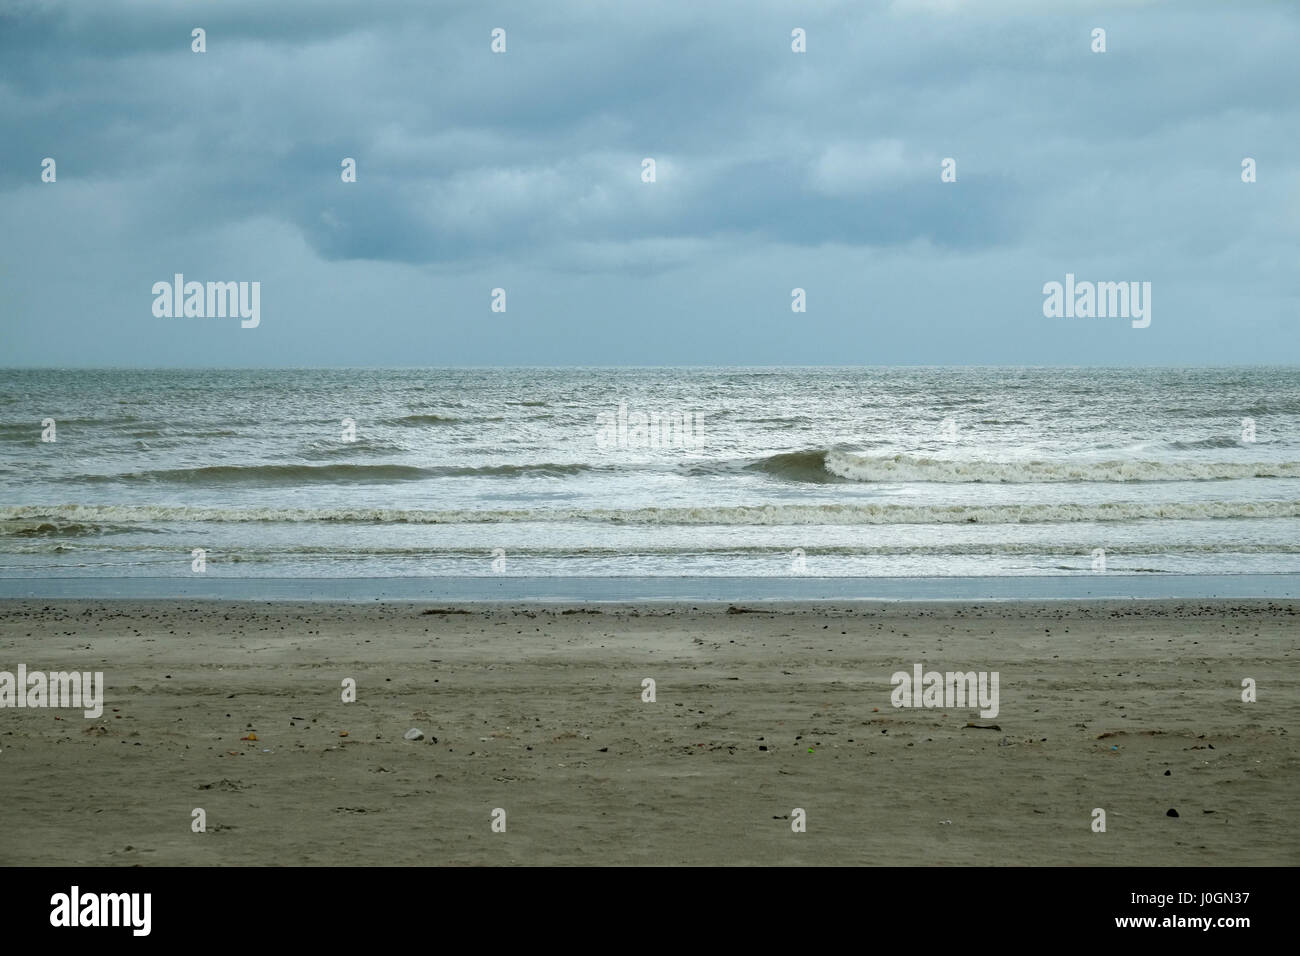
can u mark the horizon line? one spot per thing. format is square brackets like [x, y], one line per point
[382, 367]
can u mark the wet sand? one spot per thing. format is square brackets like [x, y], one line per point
[1131, 707]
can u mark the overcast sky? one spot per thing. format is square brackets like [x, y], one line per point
[522, 170]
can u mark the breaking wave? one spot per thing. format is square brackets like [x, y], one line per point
[821, 466]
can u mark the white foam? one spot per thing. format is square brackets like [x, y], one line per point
[907, 468]
[756, 515]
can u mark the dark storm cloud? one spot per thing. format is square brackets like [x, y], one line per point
[470, 161]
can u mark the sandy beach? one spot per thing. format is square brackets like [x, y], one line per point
[1132, 707]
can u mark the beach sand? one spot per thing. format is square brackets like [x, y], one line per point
[1132, 707]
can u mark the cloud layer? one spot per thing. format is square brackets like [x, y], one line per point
[522, 170]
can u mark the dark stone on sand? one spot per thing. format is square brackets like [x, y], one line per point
[1172, 813]
[1168, 773]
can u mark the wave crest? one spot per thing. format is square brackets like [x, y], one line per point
[349, 473]
[820, 466]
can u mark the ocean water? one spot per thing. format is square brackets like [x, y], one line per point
[676, 472]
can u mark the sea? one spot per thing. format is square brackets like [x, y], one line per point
[898, 472]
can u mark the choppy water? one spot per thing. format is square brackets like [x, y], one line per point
[880, 471]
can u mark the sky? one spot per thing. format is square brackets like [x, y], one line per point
[523, 171]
